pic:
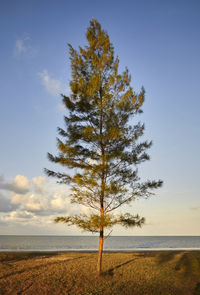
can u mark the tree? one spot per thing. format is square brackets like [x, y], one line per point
[100, 140]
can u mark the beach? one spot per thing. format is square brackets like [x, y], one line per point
[139, 273]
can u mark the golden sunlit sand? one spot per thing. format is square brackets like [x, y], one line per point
[139, 273]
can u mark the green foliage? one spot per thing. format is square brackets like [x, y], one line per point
[129, 220]
[93, 222]
[100, 139]
[90, 223]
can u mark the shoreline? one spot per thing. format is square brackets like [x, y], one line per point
[137, 250]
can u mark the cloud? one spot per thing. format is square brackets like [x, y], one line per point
[195, 208]
[42, 198]
[51, 85]
[20, 47]
[60, 201]
[30, 201]
[20, 184]
[23, 47]
[34, 202]
[5, 204]
[39, 184]
[18, 216]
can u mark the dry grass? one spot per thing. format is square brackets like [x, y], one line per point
[142, 273]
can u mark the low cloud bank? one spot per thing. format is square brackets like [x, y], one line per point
[29, 202]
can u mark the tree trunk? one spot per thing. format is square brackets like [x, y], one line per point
[99, 263]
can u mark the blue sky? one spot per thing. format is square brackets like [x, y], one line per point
[159, 42]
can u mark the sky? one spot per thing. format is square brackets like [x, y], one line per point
[159, 43]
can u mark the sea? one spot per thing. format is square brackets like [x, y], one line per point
[12, 243]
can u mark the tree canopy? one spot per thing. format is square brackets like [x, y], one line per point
[100, 141]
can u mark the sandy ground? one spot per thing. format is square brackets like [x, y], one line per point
[142, 273]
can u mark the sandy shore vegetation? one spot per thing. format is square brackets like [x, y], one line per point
[142, 273]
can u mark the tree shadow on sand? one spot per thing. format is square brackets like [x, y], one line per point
[17, 256]
[197, 289]
[189, 263]
[168, 256]
[110, 271]
[185, 262]
[39, 266]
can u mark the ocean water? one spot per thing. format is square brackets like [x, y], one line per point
[90, 243]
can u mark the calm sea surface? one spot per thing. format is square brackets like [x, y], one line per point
[90, 243]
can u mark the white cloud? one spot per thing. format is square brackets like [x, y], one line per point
[42, 198]
[30, 201]
[60, 201]
[20, 184]
[51, 85]
[20, 47]
[24, 48]
[37, 208]
[39, 184]
[85, 210]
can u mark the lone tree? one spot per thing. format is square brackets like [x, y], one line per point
[100, 140]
